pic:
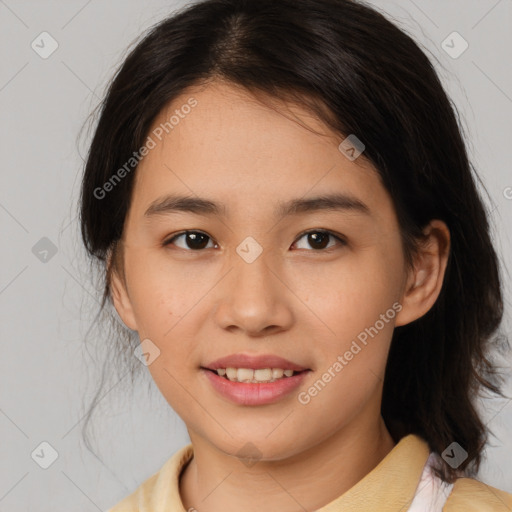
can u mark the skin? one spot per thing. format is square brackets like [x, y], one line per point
[295, 300]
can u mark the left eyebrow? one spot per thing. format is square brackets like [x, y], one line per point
[329, 202]
[202, 206]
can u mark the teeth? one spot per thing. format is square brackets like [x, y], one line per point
[253, 376]
[277, 373]
[231, 373]
[263, 374]
[244, 375]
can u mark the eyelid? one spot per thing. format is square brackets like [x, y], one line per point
[340, 238]
[334, 234]
[167, 241]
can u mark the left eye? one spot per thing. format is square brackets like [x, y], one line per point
[319, 239]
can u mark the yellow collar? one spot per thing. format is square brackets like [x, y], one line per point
[390, 486]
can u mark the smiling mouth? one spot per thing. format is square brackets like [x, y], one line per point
[254, 376]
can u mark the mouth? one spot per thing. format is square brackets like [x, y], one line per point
[245, 361]
[257, 386]
[255, 375]
[254, 379]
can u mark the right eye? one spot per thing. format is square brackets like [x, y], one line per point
[193, 240]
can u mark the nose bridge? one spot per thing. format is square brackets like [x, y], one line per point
[253, 299]
[254, 278]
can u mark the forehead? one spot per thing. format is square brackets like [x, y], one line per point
[245, 154]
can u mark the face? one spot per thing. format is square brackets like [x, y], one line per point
[253, 277]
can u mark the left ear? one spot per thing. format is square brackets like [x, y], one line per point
[425, 281]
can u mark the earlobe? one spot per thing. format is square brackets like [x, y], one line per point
[425, 282]
[121, 300]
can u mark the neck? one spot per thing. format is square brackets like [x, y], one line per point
[215, 481]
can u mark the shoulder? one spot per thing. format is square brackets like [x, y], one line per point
[138, 498]
[474, 496]
[159, 492]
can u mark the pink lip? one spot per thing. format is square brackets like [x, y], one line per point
[246, 393]
[254, 362]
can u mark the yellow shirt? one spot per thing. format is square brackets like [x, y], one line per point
[390, 486]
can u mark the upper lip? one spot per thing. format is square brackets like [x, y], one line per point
[255, 362]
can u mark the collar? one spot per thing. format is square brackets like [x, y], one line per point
[389, 487]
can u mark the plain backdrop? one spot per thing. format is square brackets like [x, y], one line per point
[47, 297]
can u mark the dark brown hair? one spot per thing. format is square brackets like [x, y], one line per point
[361, 75]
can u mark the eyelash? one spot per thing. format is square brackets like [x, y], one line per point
[339, 238]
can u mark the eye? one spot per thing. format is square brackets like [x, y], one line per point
[319, 239]
[194, 240]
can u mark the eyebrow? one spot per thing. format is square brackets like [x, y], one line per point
[327, 202]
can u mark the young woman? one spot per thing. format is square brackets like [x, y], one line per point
[282, 199]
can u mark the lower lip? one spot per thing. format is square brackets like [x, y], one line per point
[246, 393]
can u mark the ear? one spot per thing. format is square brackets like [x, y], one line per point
[120, 297]
[424, 283]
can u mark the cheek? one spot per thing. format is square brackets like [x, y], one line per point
[169, 300]
[351, 364]
[350, 295]
[329, 406]
[162, 291]
[163, 299]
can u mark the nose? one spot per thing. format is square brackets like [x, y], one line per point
[255, 299]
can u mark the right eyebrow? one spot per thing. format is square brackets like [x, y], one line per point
[175, 203]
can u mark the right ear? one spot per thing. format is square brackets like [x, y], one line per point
[120, 297]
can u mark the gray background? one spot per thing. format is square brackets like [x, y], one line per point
[47, 306]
